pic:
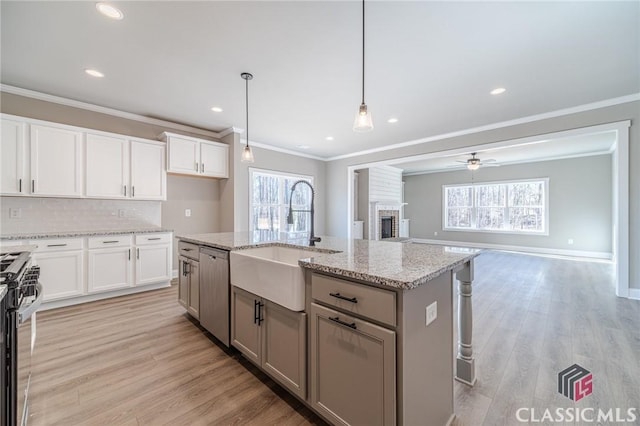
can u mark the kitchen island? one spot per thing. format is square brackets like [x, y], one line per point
[374, 343]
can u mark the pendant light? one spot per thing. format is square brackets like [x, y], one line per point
[363, 121]
[247, 154]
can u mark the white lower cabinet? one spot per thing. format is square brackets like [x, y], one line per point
[109, 264]
[153, 258]
[61, 264]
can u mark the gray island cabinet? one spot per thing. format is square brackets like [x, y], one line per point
[374, 344]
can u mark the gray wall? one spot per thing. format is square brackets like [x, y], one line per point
[363, 200]
[277, 161]
[337, 176]
[580, 199]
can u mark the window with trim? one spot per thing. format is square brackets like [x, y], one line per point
[512, 207]
[269, 203]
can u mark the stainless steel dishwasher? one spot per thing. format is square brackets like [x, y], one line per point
[214, 292]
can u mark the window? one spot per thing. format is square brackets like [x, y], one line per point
[514, 207]
[269, 198]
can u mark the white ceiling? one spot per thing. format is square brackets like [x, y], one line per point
[543, 150]
[430, 64]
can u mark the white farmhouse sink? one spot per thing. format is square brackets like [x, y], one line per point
[271, 272]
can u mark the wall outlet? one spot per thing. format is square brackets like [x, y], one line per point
[570, 241]
[15, 213]
[435, 233]
[187, 212]
[122, 213]
[432, 312]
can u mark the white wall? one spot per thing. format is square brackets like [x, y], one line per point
[580, 199]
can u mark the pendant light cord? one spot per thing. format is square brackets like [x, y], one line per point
[246, 93]
[362, 52]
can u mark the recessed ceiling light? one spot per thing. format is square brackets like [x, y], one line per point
[216, 109]
[94, 73]
[498, 91]
[329, 138]
[303, 146]
[109, 11]
[392, 120]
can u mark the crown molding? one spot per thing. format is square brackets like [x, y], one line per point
[104, 110]
[282, 150]
[230, 130]
[463, 168]
[523, 120]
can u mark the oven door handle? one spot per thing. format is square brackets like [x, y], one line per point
[25, 313]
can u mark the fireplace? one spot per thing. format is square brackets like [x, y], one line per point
[386, 227]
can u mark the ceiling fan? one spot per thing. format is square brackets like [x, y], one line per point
[474, 162]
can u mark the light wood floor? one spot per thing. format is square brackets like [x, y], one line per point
[139, 360]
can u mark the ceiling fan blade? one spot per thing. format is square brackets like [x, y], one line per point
[490, 160]
[461, 161]
[489, 165]
[456, 166]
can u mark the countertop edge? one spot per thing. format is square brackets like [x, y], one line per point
[3, 291]
[78, 234]
[384, 281]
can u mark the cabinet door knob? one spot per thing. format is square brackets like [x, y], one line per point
[346, 324]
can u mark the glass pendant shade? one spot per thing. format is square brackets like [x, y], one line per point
[473, 165]
[247, 155]
[363, 121]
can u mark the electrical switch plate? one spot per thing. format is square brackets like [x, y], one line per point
[432, 312]
[570, 241]
[122, 213]
[15, 213]
[435, 234]
[187, 212]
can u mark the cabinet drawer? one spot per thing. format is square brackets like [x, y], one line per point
[370, 302]
[189, 250]
[58, 244]
[153, 239]
[109, 241]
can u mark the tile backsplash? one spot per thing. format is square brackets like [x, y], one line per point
[68, 214]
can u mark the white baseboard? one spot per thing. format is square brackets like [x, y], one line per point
[634, 293]
[100, 296]
[525, 249]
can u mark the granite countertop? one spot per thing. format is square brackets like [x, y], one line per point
[405, 265]
[71, 234]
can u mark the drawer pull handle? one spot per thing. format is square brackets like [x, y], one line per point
[187, 249]
[152, 239]
[20, 185]
[110, 242]
[348, 299]
[56, 245]
[346, 324]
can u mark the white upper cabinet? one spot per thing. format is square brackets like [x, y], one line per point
[214, 159]
[56, 161]
[148, 175]
[197, 157]
[107, 166]
[45, 159]
[184, 155]
[13, 158]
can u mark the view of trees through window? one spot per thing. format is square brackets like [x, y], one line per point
[503, 206]
[269, 197]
